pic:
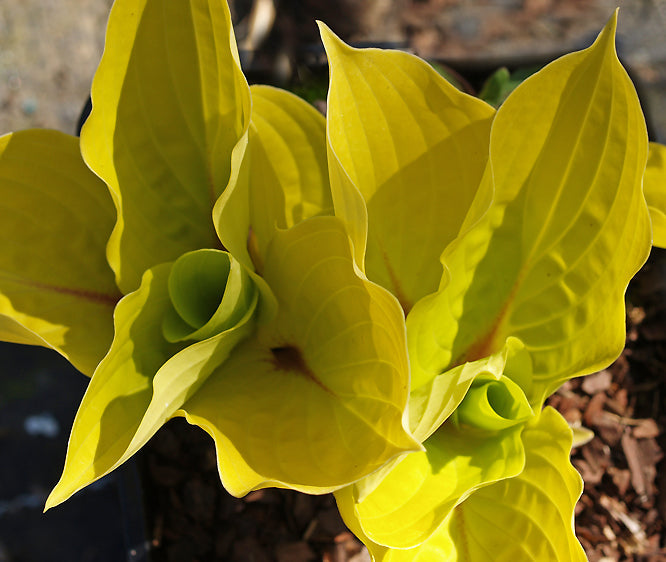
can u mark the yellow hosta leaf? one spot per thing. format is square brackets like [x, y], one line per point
[316, 399]
[120, 389]
[492, 525]
[654, 185]
[284, 179]
[415, 147]
[56, 289]
[349, 206]
[421, 490]
[525, 518]
[169, 104]
[568, 228]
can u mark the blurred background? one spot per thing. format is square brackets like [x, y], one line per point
[49, 50]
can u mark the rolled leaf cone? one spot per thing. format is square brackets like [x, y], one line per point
[210, 292]
[494, 404]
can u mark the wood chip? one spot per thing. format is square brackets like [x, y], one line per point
[646, 429]
[621, 479]
[633, 454]
[594, 409]
[599, 382]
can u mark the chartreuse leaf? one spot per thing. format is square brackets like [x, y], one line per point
[568, 228]
[415, 147]
[527, 517]
[316, 399]
[581, 435]
[56, 289]
[145, 379]
[121, 387]
[540, 525]
[169, 104]
[654, 185]
[422, 489]
[284, 178]
[403, 505]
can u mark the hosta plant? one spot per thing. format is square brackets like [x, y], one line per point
[376, 303]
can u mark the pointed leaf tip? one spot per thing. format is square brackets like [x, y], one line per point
[332, 43]
[609, 31]
[324, 31]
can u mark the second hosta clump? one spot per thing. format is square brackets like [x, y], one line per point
[375, 304]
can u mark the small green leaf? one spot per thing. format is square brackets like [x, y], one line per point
[316, 399]
[581, 435]
[568, 228]
[493, 404]
[496, 87]
[654, 185]
[502, 82]
[284, 179]
[169, 104]
[56, 289]
[415, 147]
[431, 404]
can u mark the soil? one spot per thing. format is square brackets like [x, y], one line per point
[48, 51]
